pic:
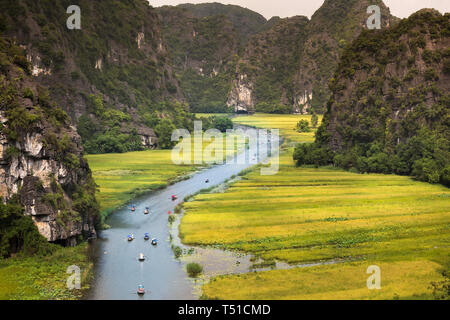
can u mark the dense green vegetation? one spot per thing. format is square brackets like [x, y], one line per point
[115, 80]
[18, 232]
[245, 21]
[202, 50]
[389, 124]
[271, 60]
[206, 94]
[113, 131]
[44, 277]
[125, 64]
[15, 87]
[30, 266]
[44, 113]
[297, 56]
[222, 123]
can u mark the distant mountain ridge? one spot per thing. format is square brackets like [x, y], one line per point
[245, 21]
[389, 111]
[280, 65]
[309, 67]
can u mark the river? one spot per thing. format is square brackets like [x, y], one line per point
[116, 267]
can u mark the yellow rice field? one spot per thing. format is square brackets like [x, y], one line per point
[285, 123]
[308, 215]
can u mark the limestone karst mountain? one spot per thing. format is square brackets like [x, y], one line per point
[41, 161]
[389, 108]
[112, 76]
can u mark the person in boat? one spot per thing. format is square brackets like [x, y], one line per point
[174, 197]
[154, 241]
[141, 289]
[147, 211]
[207, 181]
[130, 237]
[146, 236]
[141, 257]
[133, 208]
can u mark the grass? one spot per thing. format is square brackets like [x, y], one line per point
[122, 177]
[308, 215]
[44, 278]
[400, 280]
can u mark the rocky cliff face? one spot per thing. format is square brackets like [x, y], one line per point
[397, 73]
[41, 157]
[265, 68]
[202, 49]
[332, 27]
[241, 97]
[118, 55]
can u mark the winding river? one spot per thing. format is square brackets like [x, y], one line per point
[117, 269]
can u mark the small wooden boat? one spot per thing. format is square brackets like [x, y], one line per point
[154, 241]
[141, 257]
[141, 290]
[146, 236]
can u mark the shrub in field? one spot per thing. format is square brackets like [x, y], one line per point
[177, 251]
[194, 269]
[303, 126]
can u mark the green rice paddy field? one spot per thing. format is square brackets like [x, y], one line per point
[308, 215]
[122, 177]
[44, 277]
[285, 123]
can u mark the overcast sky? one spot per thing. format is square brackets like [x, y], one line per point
[289, 8]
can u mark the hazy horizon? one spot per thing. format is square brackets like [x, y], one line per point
[289, 8]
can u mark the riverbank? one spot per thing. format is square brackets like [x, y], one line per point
[304, 215]
[284, 122]
[117, 269]
[123, 177]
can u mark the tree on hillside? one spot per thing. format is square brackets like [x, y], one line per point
[303, 126]
[222, 123]
[164, 131]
